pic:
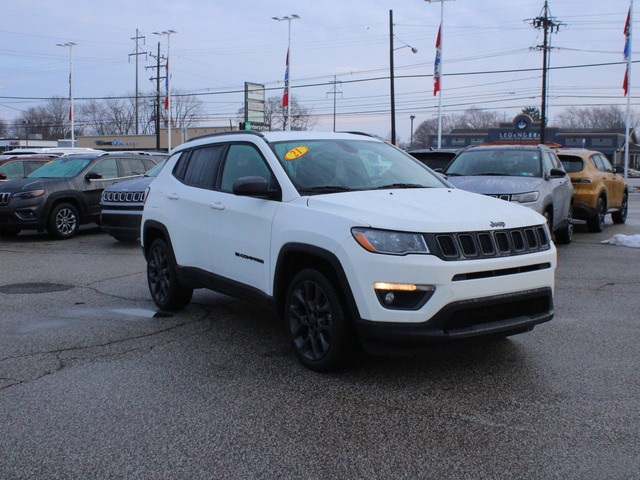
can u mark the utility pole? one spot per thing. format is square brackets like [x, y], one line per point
[137, 53]
[335, 92]
[548, 25]
[157, 78]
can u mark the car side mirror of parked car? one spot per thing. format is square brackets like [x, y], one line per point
[92, 176]
[557, 173]
[616, 169]
[253, 186]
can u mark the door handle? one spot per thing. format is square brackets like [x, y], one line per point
[216, 206]
[173, 196]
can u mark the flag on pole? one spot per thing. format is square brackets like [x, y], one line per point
[627, 52]
[437, 65]
[70, 99]
[285, 95]
[166, 86]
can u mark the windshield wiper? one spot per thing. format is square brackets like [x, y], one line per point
[400, 185]
[327, 188]
[493, 174]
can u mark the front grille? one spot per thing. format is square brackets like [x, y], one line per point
[4, 198]
[121, 197]
[488, 244]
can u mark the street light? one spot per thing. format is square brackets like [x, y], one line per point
[412, 117]
[168, 33]
[70, 45]
[392, 76]
[287, 81]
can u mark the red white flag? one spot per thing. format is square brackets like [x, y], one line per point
[166, 86]
[285, 95]
[437, 66]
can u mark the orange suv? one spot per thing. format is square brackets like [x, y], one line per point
[598, 188]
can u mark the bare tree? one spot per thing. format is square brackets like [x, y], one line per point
[611, 117]
[186, 110]
[94, 116]
[475, 118]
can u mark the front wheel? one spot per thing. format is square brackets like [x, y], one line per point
[621, 215]
[166, 291]
[320, 329]
[564, 236]
[64, 221]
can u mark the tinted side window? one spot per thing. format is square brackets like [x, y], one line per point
[12, 170]
[108, 168]
[201, 166]
[243, 160]
[132, 166]
[571, 163]
[605, 164]
[547, 162]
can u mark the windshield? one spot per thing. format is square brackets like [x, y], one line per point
[324, 166]
[503, 162]
[154, 171]
[61, 168]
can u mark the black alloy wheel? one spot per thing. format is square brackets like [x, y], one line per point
[320, 329]
[595, 223]
[621, 215]
[166, 291]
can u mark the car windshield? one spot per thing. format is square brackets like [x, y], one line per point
[154, 171]
[325, 166]
[64, 167]
[571, 163]
[501, 162]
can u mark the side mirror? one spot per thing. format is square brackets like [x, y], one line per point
[616, 169]
[557, 173]
[253, 187]
[92, 176]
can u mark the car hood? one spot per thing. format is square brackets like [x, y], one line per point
[426, 210]
[138, 184]
[491, 185]
[26, 184]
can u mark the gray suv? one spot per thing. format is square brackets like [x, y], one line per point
[531, 175]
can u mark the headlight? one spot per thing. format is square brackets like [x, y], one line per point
[28, 195]
[389, 242]
[525, 197]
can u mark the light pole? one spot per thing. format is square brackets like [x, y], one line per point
[412, 117]
[168, 33]
[287, 81]
[70, 45]
[392, 76]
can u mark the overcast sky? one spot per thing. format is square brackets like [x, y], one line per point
[220, 44]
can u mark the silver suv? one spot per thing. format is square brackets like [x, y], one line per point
[530, 175]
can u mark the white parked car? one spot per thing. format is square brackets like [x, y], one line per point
[352, 241]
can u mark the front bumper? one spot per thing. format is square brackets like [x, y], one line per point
[465, 319]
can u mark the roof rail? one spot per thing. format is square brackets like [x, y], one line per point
[230, 132]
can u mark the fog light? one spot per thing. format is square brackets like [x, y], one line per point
[403, 296]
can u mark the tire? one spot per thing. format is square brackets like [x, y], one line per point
[564, 236]
[63, 221]
[9, 232]
[166, 291]
[320, 329]
[621, 215]
[595, 223]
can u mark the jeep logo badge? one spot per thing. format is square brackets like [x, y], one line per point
[498, 224]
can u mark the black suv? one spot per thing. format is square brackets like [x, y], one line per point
[65, 193]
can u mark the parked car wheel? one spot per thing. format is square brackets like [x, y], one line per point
[166, 291]
[621, 215]
[564, 235]
[319, 326]
[595, 222]
[63, 221]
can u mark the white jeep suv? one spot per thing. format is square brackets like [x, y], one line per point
[352, 241]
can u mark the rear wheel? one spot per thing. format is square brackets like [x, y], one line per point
[320, 329]
[621, 215]
[595, 222]
[63, 221]
[166, 291]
